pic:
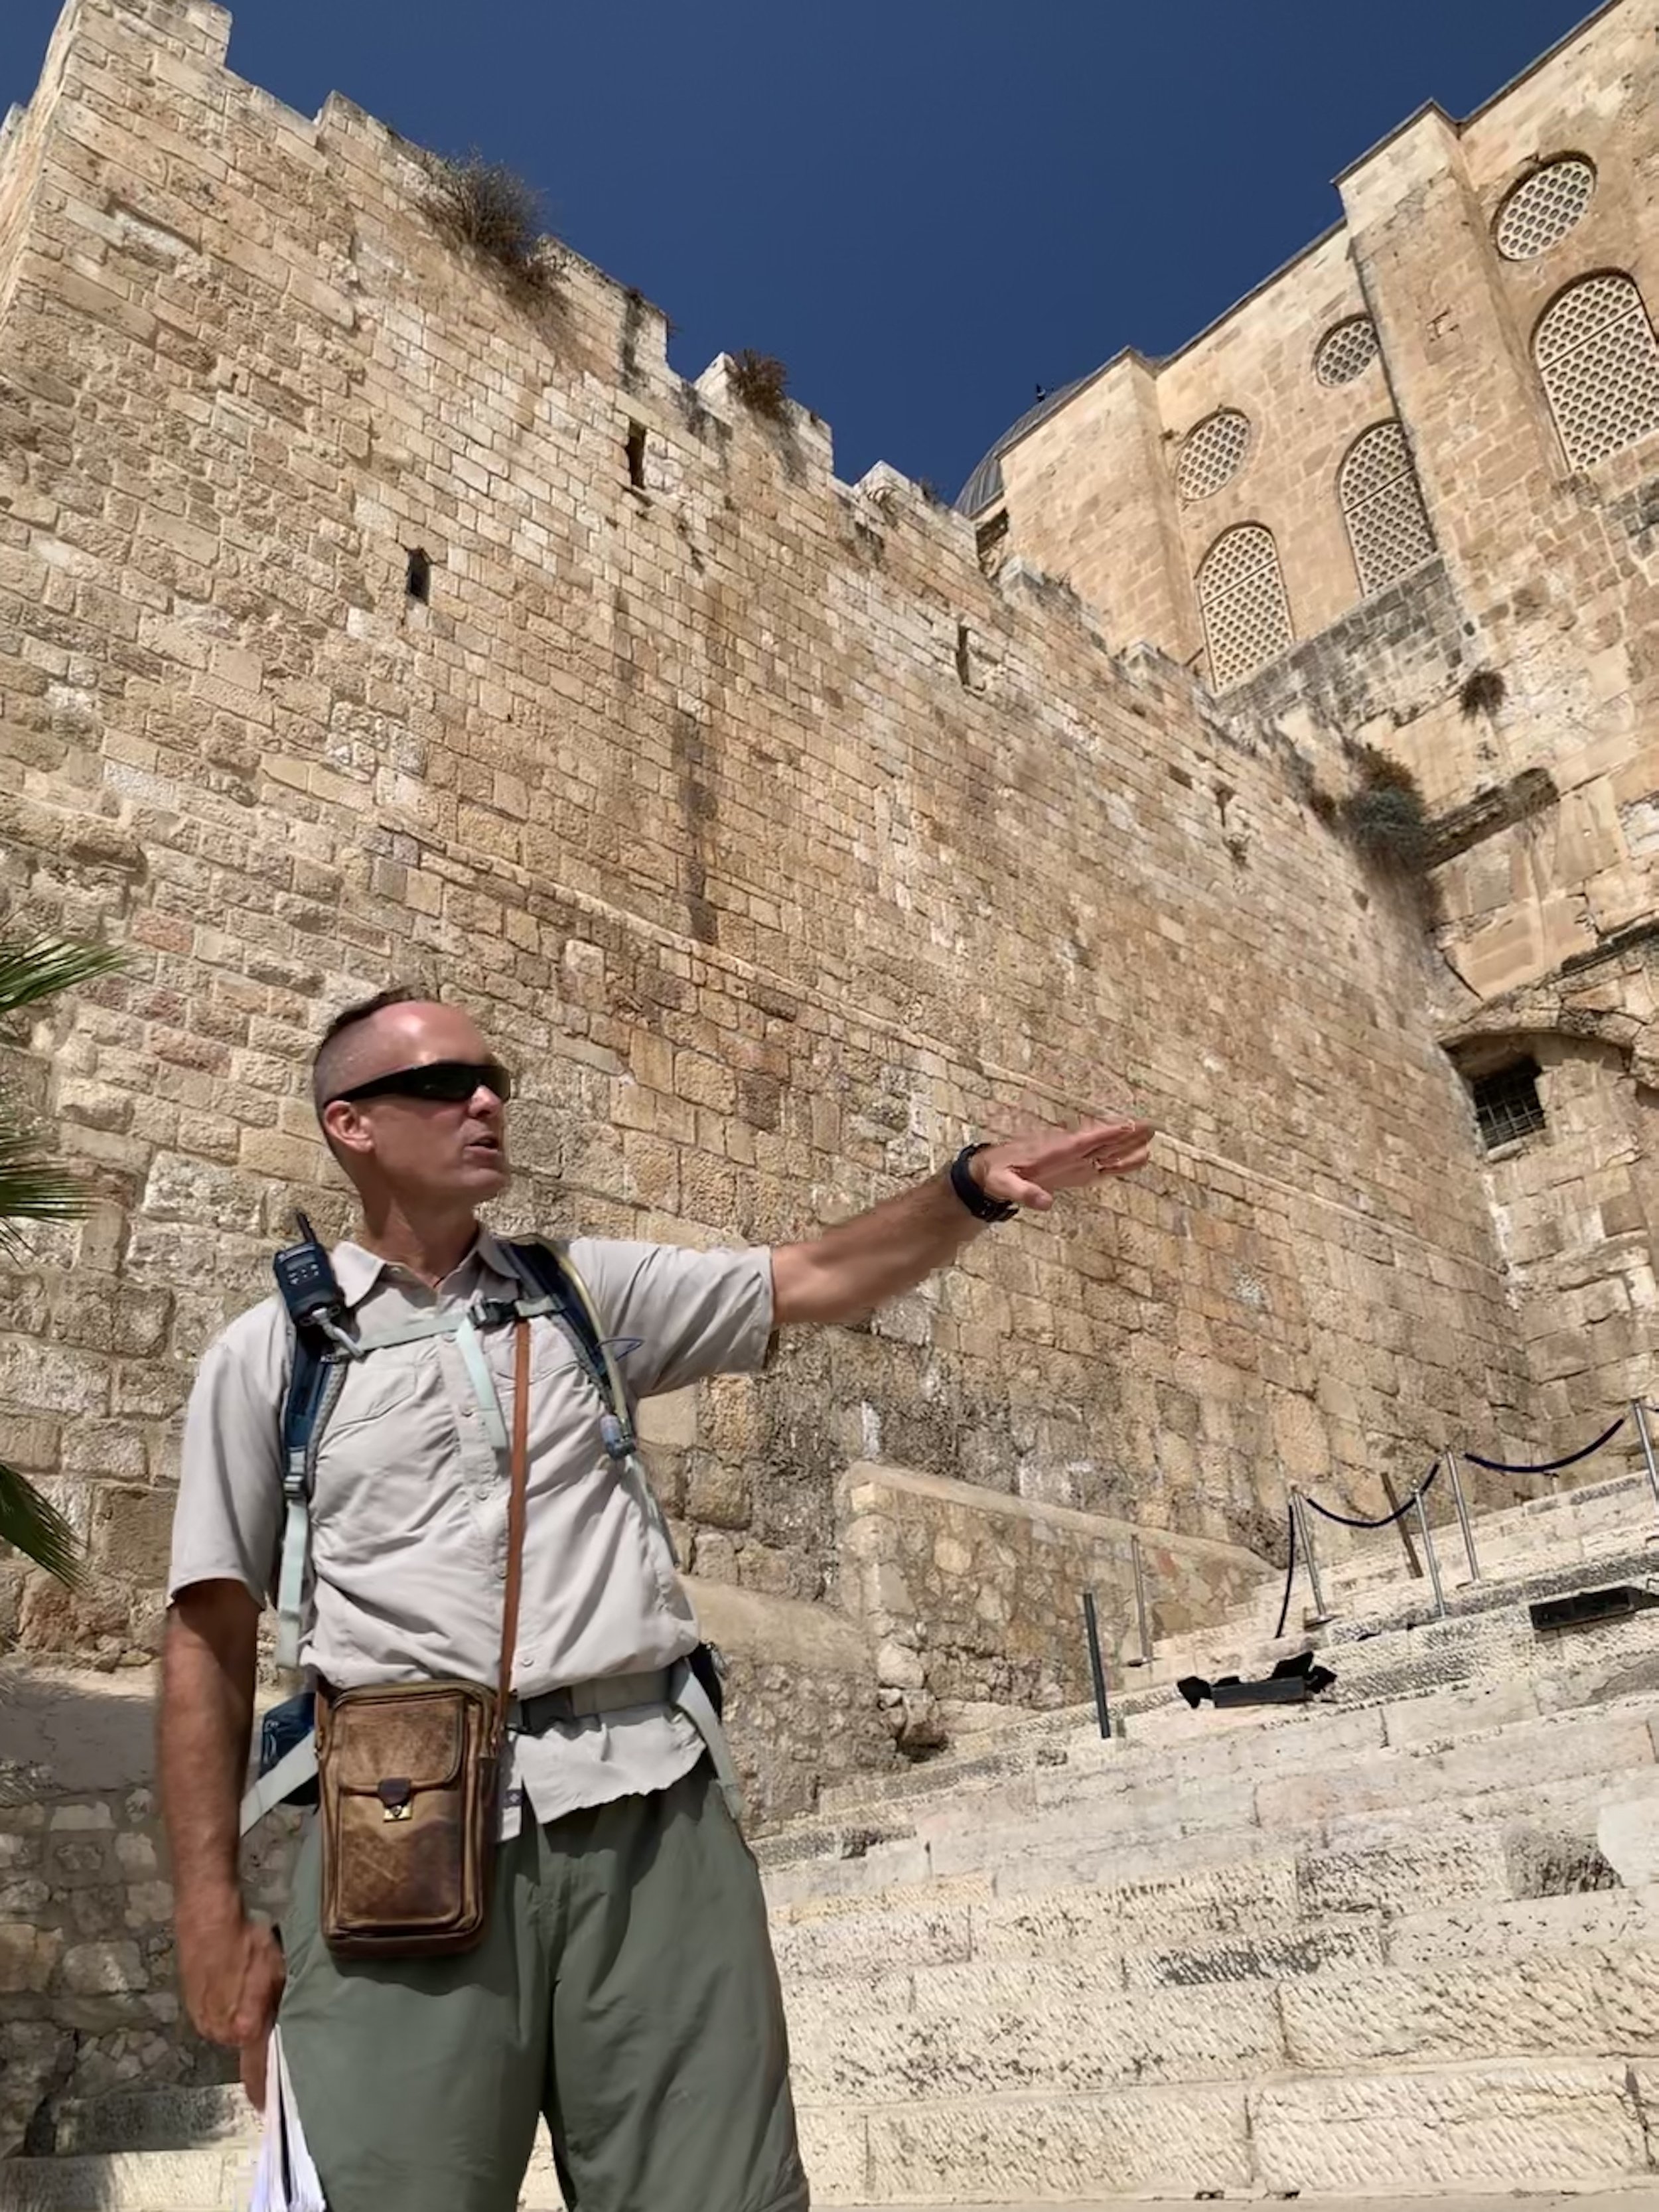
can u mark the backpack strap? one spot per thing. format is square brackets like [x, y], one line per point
[552, 1270]
[316, 1309]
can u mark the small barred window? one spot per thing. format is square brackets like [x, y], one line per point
[1598, 361]
[1346, 351]
[1507, 1104]
[1383, 507]
[1212, 454]
[1241, 592]
[1543, 208]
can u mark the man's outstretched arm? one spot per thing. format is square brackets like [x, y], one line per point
[880, 1255]
[230, 1968]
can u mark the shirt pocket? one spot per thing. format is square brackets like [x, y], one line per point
[385, 1388]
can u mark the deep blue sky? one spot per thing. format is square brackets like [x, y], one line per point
[924, 207]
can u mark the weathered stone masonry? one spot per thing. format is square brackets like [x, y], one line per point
[780, 847]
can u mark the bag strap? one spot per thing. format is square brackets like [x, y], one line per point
[516, 1521]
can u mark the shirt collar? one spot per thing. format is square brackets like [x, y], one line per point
[357, 1270]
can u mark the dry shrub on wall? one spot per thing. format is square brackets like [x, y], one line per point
[1482, 693]
[762, 382]
[1384, 817]
[497, 214]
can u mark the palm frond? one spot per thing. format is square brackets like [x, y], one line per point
[37, 1529]
[32, 969]
[32, 1189]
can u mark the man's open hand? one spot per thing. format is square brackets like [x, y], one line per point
[1029, 1170]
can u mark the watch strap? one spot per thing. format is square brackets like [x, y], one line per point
[981, 1207]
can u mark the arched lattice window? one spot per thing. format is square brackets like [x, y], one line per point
[1212, 454]
[1247, 618]
[1383, 507]
[1599, 360]
[1544, 207]
[1346, 351]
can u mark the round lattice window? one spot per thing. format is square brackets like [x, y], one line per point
[1346, 351]
[1240, 594]
[1544, 207]
[1598, 361]
[1212, 454]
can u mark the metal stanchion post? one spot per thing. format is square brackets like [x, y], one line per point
[1646, 1435]
[1430, 1555]
[1463, 1521]
[1142, 1615]
[1304, 1530]
[1096, 1667]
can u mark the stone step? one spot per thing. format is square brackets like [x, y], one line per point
[217, 2179]
[1160, 1833]
[1276, 1780]
[1272, 1919]
[1480, 2127]
[1496, 1651]
[139, 2120]
[1070, 2027]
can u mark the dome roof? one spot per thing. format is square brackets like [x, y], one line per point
[985, 485]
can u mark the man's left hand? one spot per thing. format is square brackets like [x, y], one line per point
[1029, 1170]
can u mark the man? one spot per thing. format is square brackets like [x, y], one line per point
[624, 1985]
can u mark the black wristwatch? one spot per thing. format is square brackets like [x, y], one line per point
[978, 1202]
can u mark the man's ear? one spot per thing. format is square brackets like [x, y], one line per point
[347, 1129]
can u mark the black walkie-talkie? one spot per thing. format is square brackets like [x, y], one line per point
[304, 1276]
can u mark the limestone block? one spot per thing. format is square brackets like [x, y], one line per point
[852, 1943]
[27, 1958]
[1543, 2006]
[873, 2052]
[1175, 2143]
[1272, 1956]
[1628, 1838]
[1556, 1748]
[1149, 1916]
[836, 2151]
[1388, 1877]
[1479, 2127]
[128, 2181]
[103, 1969]
[1604, 1920]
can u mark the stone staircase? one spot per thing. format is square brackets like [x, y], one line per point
[1398, 1942]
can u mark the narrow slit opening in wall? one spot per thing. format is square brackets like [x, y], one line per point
[636, 455]
[1507, 1104]
[417, 579]
[964, 657]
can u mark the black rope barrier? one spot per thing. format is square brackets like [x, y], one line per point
[1547, 1467]
[1289, 1574]
[1346, 1521]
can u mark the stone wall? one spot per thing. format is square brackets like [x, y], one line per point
[976, 1601]
[777, 847]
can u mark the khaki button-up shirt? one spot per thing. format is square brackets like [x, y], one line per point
[408, 1511]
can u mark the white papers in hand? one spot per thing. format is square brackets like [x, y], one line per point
[286, 2180]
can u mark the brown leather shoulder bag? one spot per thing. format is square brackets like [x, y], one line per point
[409, 1778]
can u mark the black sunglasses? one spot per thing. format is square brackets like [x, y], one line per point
[452, 1081]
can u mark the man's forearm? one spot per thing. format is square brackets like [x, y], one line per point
[207, 1715]
[876, 1255]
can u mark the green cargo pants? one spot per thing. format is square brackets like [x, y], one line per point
[624, 1988]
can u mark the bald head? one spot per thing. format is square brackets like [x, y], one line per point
[348, 1044]
[420, 1149]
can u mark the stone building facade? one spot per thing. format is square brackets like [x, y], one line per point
[366, 615]
[1404, 493]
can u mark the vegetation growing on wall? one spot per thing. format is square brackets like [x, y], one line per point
[496, 212]
[762, 382]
